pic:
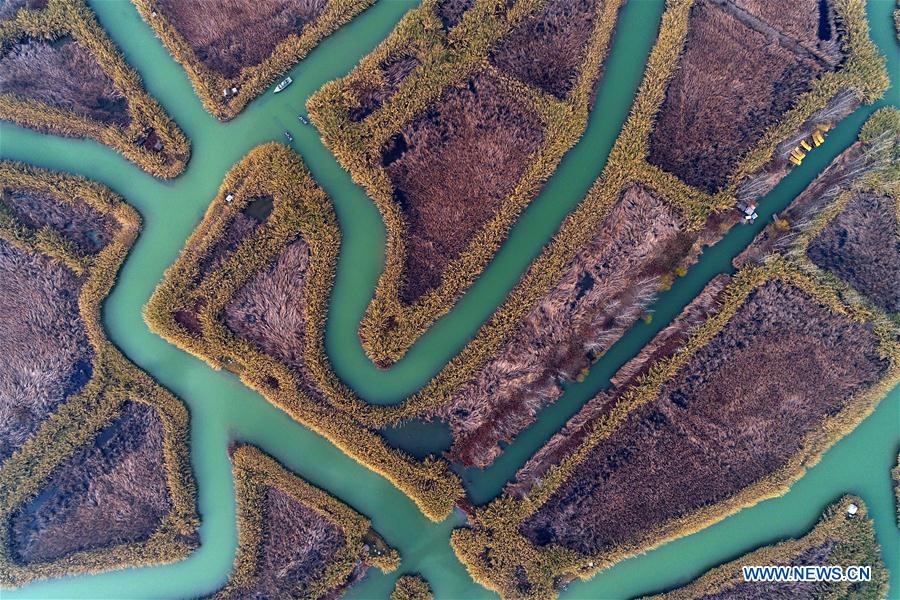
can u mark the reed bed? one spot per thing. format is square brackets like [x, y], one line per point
[404, 85]
[838, 539]
[411, 587]
[705, 218]
[512, 553]
[295, 539]
[115, 384]
[287, 364]
[229, 54]
[499, 546]
[145, 134]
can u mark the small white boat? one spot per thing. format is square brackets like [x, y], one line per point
[284, 83]
[288, 135]
[303, 119]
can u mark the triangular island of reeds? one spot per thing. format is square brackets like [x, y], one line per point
[61, 73]
[249, 293]
[94, 466]
[295, 540]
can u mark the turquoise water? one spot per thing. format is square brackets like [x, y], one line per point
[223, 409]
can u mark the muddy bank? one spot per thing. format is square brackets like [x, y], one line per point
[46, 353]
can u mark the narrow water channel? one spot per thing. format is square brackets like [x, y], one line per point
[223, 409]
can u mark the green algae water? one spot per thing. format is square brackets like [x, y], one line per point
[222, 409]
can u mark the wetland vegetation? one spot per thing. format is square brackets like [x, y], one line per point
[296, 540]
[728, 404]
[725, 388]
[250, 296]
[94, 466]
[452, 125]
[60, 72]
[234, 50]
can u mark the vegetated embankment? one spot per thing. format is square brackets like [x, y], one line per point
[727, 406]
[233, 50]
[60, 73]
[844, 537]
[295, 540]
[249, 293]
[452, 124]
[600, 272]
[94, 466]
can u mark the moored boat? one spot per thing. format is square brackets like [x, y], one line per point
[284, 83]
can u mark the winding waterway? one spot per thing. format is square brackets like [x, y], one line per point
[223, 409]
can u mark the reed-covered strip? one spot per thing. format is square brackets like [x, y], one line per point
[720, 401]
[257, 305]
[295, 540]
[703, 220]
[452, 125]
[706, 420]
[234, 50]
[61, 73]
[844, 536]
[100, 477]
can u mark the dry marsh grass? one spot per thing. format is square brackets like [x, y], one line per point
[47, 356]
[602, 293]
[556, 530]
[123, 466]
[705, 218]
[780, 325]
[547, 49]
[732, 84]
[451, 170]
[88, 230]
[62, 74]
[411, 587]
[261, 313]
[410, 96]
[295, 540]
[735, 412]
[242, 43]
[103, 481]
[232, 35]
[861, 245]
